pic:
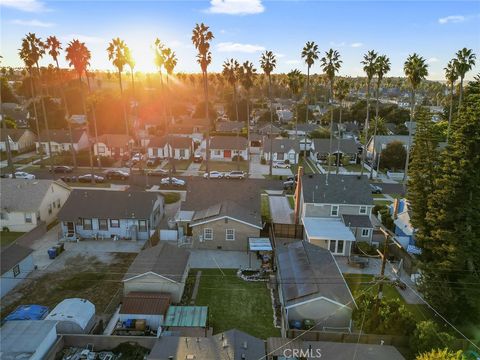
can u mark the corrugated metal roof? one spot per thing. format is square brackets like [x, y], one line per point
[186, 316]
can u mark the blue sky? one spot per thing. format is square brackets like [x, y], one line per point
[245, 28]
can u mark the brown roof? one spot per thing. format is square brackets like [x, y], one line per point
[115, 140]
[12, 255]
[145, 303]
[228, 142]
[177, 142]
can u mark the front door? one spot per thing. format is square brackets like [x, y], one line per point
[227, 154]
[70, 228]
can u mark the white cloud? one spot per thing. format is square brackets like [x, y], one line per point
[237, 47]
[335, 44]
[279, 55]
[236, 7]
[356, 44]
[452, 19]
[32, 23]
[84, 38]
[25, 5]
[292, 62]
[432, 60]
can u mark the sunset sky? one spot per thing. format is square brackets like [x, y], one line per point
[245, 28]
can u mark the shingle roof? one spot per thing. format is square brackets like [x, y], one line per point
[106, 204]
[268, 129]
[228, 142]
[163, 259]
[341, 189]
[14, 134]
[307, 127]
[230, 126]
[362, 221]
[61, 136]
[12, 255]
[348, 146]
[115, 140]
[380, 140]
[145, 303]
[177, 142]
[281, 145]
[227, 208]
[14, 111]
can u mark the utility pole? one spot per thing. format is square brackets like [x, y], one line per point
[384, 262]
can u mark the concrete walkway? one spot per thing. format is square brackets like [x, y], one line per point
[192, 170]
[280, 210]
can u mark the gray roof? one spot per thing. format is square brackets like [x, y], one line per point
[14, 134]
[361, 221]
[228, 142]
[380, 140]
[176, 142]
[14, 111]
[341, 189]
[348, 146]
[229, 345]
[24, 195]
[227, 208]
[281, 145]
[230, 126]
[163, 259]
[106, 204]
[12, 255]
[268, 129]
[307, 127]
[61, 136]
[334, 350]
[308, 272]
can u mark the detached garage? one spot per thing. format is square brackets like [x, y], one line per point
[73, 316]
[150, 307]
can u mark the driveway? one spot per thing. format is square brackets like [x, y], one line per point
[280, 210]
[192, 170]
[257, 170]
[213, 259]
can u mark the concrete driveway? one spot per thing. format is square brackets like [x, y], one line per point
[258, 170]
[214, 259]
[280, 209]
[192, 170]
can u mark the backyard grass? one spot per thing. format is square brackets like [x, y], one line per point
[236, 304]
[7, 237]
[171, 197]
[265, 208]
[291, 201]
[224, 166]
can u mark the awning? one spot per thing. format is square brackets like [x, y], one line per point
[327, 229]
[259, 244]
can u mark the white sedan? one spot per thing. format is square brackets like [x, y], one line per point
[213, 175]
[23, 175]
[281, 164]
[172, 181]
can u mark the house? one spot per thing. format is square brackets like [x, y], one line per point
[148, 306]
[284, 115]
[231, 344]
[346, 130]
[230, 126]
[60, 140]
[188, 127]
[27, 203]
[162, 268]
[285, 349]
[177, 147]
[17, 263]
[27, 339]
[312, 287]
[90, 214]
[378, 143]
[113, 145]
[323, 204]
[227, 148]
[17, 113]
[268, 130]
[21, 140]
[404, 231]
[73, 316]
[282, 149]
[320, 149]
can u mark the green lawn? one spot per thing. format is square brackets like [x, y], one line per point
[27, 160]
[265, 207]
[234, 303]
[382, 202]
[291, 201]
[7, 237]
[180, 165]
[353, 167]
[224, 166]
[378, 196]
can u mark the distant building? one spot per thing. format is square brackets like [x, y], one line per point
[320, 149]
[378, 143]
[113, 145]
[230, 126]
[227, 148]
[17, 113]
[60, 141]
[20, 140]
[177, 147]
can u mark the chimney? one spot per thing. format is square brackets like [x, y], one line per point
[298, 191]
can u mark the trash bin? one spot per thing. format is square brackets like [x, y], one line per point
[296, 324]
[52, 253]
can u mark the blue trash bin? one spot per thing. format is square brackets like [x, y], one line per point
[52, 253]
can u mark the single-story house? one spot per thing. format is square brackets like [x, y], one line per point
[73, 316]
[320, 149]
[149, 306]
[346, 130]
[312, 287]
[378, 143]
[20, 140]
[16, 264]
[113, 145]
[17, 113]
[268, 130]
[177, 147]
[60, 140]
[162, 268]
[188, 127]
[284, 115]
[230, 126]
[90, 214]
[227, 148]
[27, 203]
[282, 149]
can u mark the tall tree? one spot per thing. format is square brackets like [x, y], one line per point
[341, 90]
[464, 61]
[201, 38]
[451, 75]
[295, 83]
[369, 63]
[248, 74]
[169, 64]
[416, 70]
[268, 62]
[331, 64]
[310, 54]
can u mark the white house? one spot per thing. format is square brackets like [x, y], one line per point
[26, 203]
[113, 145]
[21, 140]
[73, 316]
[282, 149]
[60, 141]
[17, 263]
[177, 147]
[227, 148]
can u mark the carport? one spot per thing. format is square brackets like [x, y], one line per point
[262, 247]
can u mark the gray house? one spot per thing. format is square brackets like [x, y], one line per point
[320, 149]
[378, 143]
[282, 149]
[312, 287]
[100, 214]
[16, 264]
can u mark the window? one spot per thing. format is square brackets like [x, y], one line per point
[363, 209]
[280, 156]
[334, 211]
[102, 224]
[114, 223]
[182, 153]
[337, 247]
[208, 234]
[230, 234]
[28, 217]
[58, 203]
[49, 209]
[87, 224]
[340, 244]
[101, 149]
[333, 245]
[142, 225]
[16, 270]
[3, 215]
[365, 232]
[217, 152]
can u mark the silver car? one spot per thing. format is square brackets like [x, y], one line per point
[235, 175]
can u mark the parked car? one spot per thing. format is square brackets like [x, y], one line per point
[235, 175]
[117, 174]
[289, 184]
[156, 172]
[88, 177]
[22, 175]
[376, 189]
[292, 178]
[281, 164]
[62, 169]
[69, 178]
[197, 159]
[137, 157]
[172, 181]
[213, 175]
[153, 161]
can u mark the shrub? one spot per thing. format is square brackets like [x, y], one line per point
[263, 161]
[377, 208]
[427, 336]
[237, 157]
[366, 248]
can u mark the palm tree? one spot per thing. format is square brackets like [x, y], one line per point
[382, 67]
[451, 75]
[416, 70]
[295, 82]
[248, 74]
[170, 63]
[330, 64]
[268, 62]
[201, 37]
[310, 54]
[464, 62]
[79, 56]
[131, 64]
[231, 73]
[341, 90]
[369, 63]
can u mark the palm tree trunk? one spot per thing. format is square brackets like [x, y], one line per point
[412, 112]
[308, 93]
[460, 98]
[377, 104]
[207, 115]
[47, 130]
[125, 118]
[271, 123]
[99, 162]
[84, 104]
[235, 100]
[450, 112]
[248, 134]
[365, 130]
[331, 132]
[339, 139]
[32, 90]
[7, 145]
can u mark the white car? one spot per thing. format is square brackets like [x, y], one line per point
[23, 175]
[281, 164]
[172, 181]
[213, 175]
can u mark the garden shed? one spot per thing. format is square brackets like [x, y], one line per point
[74, 316]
